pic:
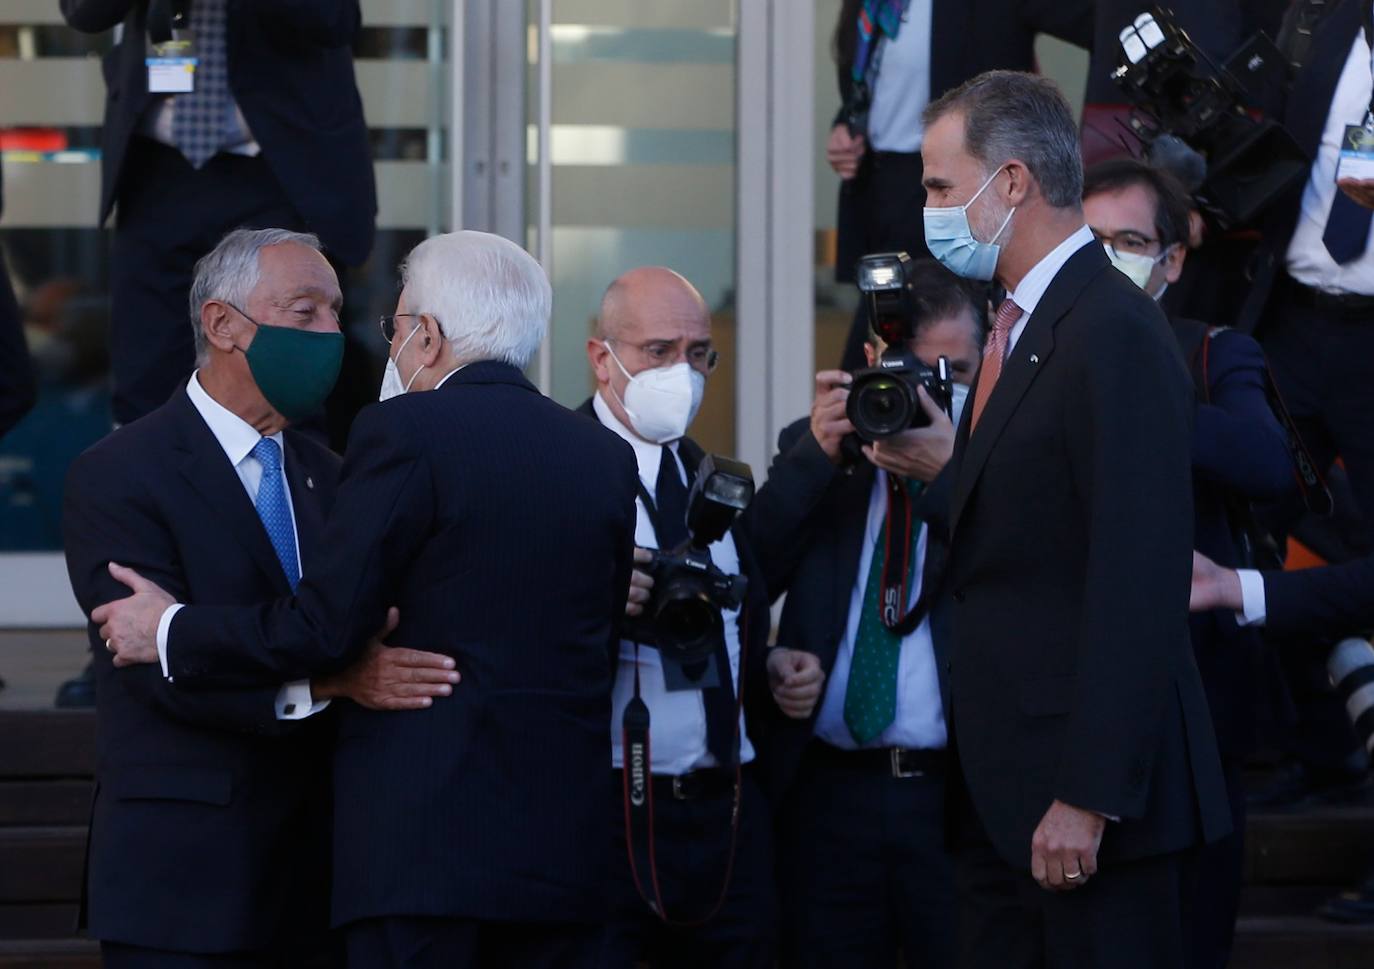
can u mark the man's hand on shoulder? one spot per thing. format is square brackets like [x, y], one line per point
[129, 626]
[919, 453]
[390, 677]
[796, 679]
[829, 423]
[1064, 847]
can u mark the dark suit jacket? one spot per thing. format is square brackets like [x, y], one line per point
[17, 389]
[808, 524]
[1072, 676]
[502, 526]
[1303, 112]
[755, 620]
[291, 72]
[1240, 454]
[1337, 600]
[209, 831]
[968, 37]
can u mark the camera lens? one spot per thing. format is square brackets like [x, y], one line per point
[880, 406]
[688, 624]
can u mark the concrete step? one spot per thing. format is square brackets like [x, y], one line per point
[1313, 846]
[1301, 942]
[41, 865]
[49, 954]
[38, 744]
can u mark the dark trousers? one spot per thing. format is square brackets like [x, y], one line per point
[880, 211]
[863, 871]
[413, 942]
[691, 842]
[1212, 878]
[1321, 363]
[321, 953]
[1125, 917]
[169, 216]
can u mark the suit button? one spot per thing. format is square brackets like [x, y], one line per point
[949, 668]
[959, 598]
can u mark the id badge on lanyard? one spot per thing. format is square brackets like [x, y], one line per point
[172, 60]
[1357, 142]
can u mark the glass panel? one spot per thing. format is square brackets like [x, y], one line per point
[643, 153]
[58, 257]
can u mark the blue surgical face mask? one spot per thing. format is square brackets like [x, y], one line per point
[950, 239]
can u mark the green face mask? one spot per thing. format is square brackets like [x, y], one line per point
[294, 369]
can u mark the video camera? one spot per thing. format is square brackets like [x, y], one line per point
[882, 399]
[1188, 104]
[682, 617]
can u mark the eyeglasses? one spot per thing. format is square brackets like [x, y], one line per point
[388, 324]
[1127, 241]
[660, 353]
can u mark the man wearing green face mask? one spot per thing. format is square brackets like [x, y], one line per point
[218, 799]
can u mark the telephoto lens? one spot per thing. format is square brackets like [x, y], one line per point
[1351, 668]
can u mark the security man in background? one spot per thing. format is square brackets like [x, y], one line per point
[651, 355]
[267, 130]
[859, 780]
[1240, 455]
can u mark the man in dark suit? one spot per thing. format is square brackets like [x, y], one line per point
[1085, 752]
[209, 841]
[712, 857]
[271, 135]
[472, 833]
[907, 53]
[17, 389]
[859, 781]
[1240, 455]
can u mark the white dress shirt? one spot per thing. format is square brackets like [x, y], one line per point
[238, 438]
[1253, 609]
[920, 718]
[902, 87]
[1032, 287]
[1308, 261]
[677, 719]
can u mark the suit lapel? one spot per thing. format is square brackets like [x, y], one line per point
[306, 502]
[1027, 360]
[1316, 84]
[205, 467]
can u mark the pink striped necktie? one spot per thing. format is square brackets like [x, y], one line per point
[994, 355]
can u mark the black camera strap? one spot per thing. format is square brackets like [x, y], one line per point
[899, 549]
[638, 786]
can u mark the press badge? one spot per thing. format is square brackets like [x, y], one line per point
[172, 66]
[1357, 152]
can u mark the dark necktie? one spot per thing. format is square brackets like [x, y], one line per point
[670, 498]
[201, 116]
[1347, 229]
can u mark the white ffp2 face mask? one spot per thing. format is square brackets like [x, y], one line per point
[662, 402]
[391, 379]
[1135, 266]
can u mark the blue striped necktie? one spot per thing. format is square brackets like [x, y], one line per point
[274, 510]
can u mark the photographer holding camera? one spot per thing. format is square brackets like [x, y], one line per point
[859, 776]
[697, 889]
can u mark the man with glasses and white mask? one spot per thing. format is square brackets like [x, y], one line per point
[473, 832]
[651, 355]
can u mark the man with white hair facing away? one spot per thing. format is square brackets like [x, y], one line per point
[471, 833]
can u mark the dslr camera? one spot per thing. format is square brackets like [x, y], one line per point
[1192, 116]
[882, 399]
[682, 617]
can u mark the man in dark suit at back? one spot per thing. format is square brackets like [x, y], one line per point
[472, 833]
[859, 779]
[1084, 747]
[209, 840]
[892, 58]
[269, 133]
[1240, 454]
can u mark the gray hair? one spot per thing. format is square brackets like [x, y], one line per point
[1010, 114]
[230, 271]
[490, 297]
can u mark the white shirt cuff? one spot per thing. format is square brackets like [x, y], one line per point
[295, 702]
[1253, 611]
[164, 626]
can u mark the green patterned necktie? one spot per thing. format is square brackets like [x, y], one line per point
[870, 698]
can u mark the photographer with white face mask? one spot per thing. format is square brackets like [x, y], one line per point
[651, 355]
